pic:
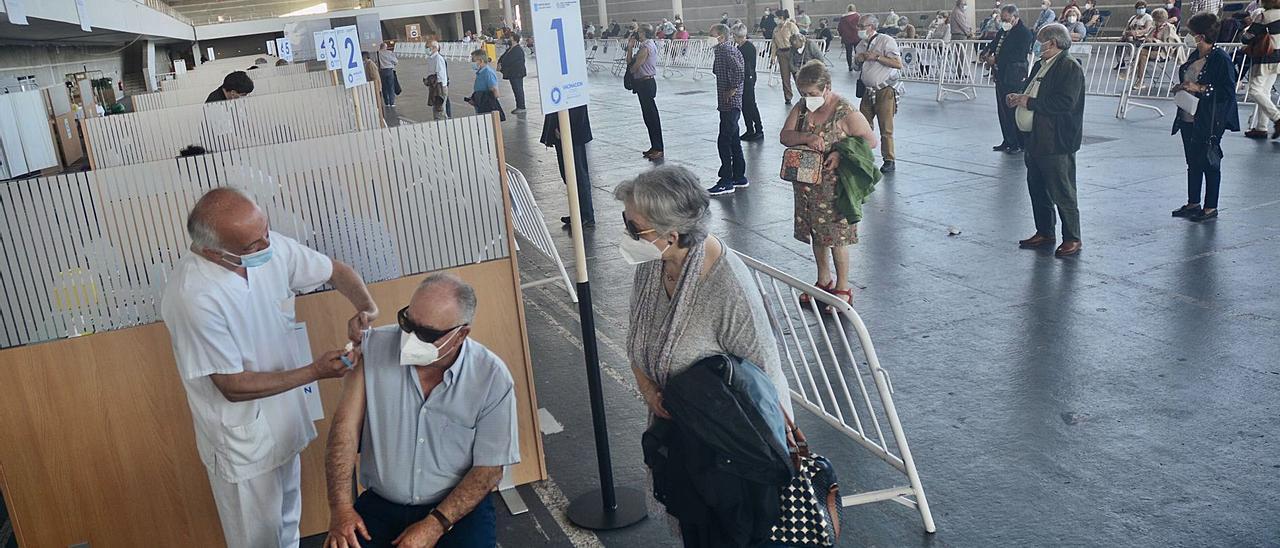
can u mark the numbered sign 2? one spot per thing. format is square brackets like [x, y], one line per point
[562, 62]
[348, 45]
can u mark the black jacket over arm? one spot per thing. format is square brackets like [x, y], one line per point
[511, 63]
[1058, 107]
[1011, 64]
[1217, 111]
[579, 122]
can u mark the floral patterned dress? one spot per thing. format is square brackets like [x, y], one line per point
[816, 218]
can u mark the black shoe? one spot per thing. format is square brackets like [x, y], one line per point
[722, 187]
[1187, 211]
[1000, 147]
[1202, 216]
[585, 222]
[888, 167]
[1013, 150]
[747, 136]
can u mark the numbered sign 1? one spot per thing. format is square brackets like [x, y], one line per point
[322, 51]
[284, 49]
[562, 61]
[331, 49]
[348, 40]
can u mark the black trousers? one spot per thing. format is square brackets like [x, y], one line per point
[1051, 182]
[750, 111]
[517, 89]
[584, 179]
[386, 520]
[848, 55]
[647, 91]
[1202, 171]
[732, 166]
[1008, 124]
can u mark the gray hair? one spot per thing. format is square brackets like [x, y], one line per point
[434, 45]
[200, 219]
[1010, 9]
[464, 296]
[673, 200]
[1056, 33]
[870, 20]
[719, 30]
[739, 31]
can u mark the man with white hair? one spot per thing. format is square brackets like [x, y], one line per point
[437, 82]
[432, 415]
[879, 62]
[229, 308]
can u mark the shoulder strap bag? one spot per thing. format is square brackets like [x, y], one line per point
[810, 511]
[801, 164]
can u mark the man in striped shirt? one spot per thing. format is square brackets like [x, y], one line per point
[729, 71]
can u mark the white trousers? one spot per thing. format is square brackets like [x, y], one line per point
[261, 512]
[1260, 93]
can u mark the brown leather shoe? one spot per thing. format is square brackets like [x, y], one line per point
[655, 156]
[1069, 248]
[1039, 240]
[1256, 134]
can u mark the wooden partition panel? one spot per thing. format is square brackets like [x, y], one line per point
[261, 86]
[99, 446]
[213, 77]
[256, 120]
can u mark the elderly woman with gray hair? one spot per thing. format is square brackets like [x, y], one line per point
[692, 296]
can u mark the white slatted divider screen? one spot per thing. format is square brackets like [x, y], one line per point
[261, 86]
[91, 251]
[214, 77]
[255, 120]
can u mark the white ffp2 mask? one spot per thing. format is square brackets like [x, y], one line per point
[814, 103]
[415, 352]
[639, 251]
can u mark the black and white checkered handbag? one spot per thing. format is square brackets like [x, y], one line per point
[810, 513]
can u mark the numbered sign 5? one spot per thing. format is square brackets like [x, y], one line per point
[348, 45]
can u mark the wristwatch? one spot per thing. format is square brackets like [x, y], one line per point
[444, 521]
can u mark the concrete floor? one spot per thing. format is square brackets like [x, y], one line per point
[1125, 397]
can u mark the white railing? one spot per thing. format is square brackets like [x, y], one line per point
[1156, 80]
[530, 226]
[820, 356]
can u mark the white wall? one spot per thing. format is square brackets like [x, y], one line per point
[51, 65]
[276, 24]
[118, 15]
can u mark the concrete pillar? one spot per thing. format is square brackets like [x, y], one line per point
[457, 23]
[604, 15]
[506, 13]
[790, 6]
[195, 54]
[149, 66]
[475, 6]
[677, 7]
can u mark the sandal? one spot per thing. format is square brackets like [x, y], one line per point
[805, 299]
[848, 298]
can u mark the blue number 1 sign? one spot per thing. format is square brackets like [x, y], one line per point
[557, 25]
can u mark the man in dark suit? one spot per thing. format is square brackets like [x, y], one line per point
[1008, 55]
[234, 86]
[511, 65]
[750, 111]
[580, 124]
[1050, 114]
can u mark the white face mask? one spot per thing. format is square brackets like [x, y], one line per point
[1072, 19]
[1006, 26]
[415, 352]
[814, 103]
[639, 251]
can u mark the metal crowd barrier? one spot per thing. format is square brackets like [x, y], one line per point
[820, 357]
[1161, 75]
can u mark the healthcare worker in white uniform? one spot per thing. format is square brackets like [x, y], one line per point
[229, 308]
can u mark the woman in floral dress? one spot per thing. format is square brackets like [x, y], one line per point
[820, 121]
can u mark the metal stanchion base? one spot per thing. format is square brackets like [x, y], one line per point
[588, 511]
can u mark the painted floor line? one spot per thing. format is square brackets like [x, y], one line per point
[547, 423]
[556, 503]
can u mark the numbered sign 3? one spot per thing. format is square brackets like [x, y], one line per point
[562, 62]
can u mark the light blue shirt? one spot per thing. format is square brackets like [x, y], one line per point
[414, 451]
[486, 79]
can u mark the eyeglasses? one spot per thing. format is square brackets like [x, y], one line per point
[633, 230]
[424, 333]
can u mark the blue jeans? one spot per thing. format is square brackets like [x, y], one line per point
[386, 520]
[388, 86]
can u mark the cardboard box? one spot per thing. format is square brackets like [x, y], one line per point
[67, 131]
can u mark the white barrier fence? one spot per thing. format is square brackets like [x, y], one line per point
[205, 79]
[261, 86]
[827, 377]
[530, 226]
[255, 120]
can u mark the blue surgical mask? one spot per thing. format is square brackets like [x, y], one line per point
[255, 259]
[1141, 11]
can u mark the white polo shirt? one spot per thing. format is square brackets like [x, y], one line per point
[221, 323]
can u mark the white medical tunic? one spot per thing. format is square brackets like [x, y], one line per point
[222, 323]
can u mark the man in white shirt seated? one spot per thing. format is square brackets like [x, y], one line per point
[229, 308]
[433, 416]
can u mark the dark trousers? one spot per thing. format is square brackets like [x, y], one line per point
[386, 520]
[388, 86]
[1201, 169]
[517, 89]
[848, 55]
[750, 111]
[732, 166]
[1051, 181]
[647, 91]
[584, 179]
[1008, 124]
